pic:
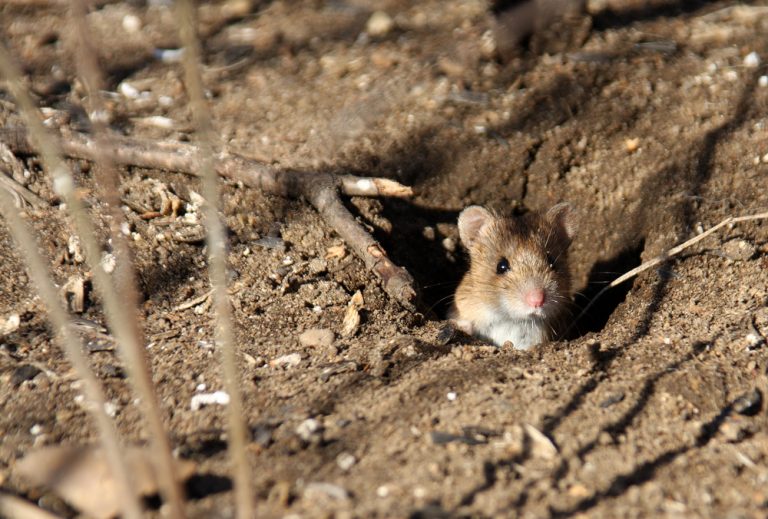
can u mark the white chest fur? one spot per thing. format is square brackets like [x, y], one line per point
[522, 333]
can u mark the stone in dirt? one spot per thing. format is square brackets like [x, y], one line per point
[321, 337]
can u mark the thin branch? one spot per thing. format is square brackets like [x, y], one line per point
[661, 258]
[183, 157]
[321, 189]
[217, 261]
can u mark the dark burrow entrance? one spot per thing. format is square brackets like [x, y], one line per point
[427, 244]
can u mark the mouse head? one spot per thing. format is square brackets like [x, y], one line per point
[519, 265]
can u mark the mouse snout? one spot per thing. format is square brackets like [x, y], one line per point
[534, 298]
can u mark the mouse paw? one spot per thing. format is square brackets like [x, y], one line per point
[463, 325]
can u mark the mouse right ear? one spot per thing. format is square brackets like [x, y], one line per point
[471, 221]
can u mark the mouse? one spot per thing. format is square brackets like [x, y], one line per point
[518, 287]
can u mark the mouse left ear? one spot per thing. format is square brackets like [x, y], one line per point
[563, 218]
[471, 221]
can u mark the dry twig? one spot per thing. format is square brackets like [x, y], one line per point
[320, 189]
[661, 258]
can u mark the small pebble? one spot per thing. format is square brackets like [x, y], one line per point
[289, 361]
[131, 23]
[272, 243]
[612, 399]
[23, 373]
[321, 337]
[632, 145]
[203, 399]
[763, 81]
[128, 90]
[345, 461]
[310, 429]
[739, 250]
[749, 404]
[262, 434]
[36, 429]
[111, 409]
[452, 396]
[541, 445]
[379, 24]
[11, 324]
[752, 60]
[314, 490]
[446, 335]
[449, 244]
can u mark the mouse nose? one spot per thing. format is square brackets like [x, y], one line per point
[535, 298]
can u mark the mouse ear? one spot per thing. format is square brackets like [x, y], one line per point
[471, 221]
[562, 217]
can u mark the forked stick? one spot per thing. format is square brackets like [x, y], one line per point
[661, 258]
[320, 189]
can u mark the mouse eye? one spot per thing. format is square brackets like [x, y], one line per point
[551, 260]
[502, 266]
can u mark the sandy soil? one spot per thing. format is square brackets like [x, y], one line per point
[649, 117]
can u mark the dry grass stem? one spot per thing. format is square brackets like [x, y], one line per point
[122, 323]
[217, 261]
[661, 258]
[124, 277]
[73, 348]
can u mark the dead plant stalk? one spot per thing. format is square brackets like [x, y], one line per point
[73, 349]
[217, 260]
[122, 321]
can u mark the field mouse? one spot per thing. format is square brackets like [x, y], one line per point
[518, 284]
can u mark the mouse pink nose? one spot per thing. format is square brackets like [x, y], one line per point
[535, 298]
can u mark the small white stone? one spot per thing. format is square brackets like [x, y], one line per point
[731, 75]
[308, 428]
[12, 323]
[131, 23]
[169, 55]
[203, 399]
[201, 387]
[667, 341]
[111, 409]
[108, 262]
[752, 60]
[379, 24]
[36, 429]
[452, 396]
[765, 158]
[345, 461]
[287, 361]
[763, 81]
[128, 90]
[382, 491]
